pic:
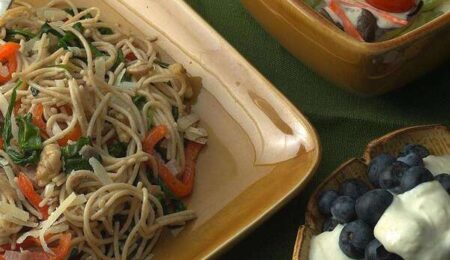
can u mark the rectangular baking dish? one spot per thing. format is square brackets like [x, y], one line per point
[261, 149]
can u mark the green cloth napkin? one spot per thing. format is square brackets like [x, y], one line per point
[345, 122]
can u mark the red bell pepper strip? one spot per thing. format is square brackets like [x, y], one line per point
[348, 26]
[180, 188]
[27, 189]
[8, 52]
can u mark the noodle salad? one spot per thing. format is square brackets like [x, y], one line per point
[98, 143]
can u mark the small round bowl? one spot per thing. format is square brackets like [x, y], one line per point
[435, 137]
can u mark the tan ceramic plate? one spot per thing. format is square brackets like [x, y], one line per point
[364, 68]
[261, 149]
[435, 137]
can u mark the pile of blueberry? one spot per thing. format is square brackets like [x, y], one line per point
[359, 208]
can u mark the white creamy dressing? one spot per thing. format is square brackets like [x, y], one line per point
[437, 164]
[416, 225]
[325, 246]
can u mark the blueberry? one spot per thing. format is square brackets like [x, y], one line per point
[329, 224]
[444, 179]
[370, 206]
[411, 159]
[353, 188]
[390, 177]
[326, 198]
[343, 209]
[415, 148]
[354, 238]
[376, 251]
[377, 165]
[415, 176]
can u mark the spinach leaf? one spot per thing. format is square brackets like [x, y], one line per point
[96, 52]
[6, 133]
[71, 157]
[126, 77]
[161, 64]
[118, 149]
[119, 59]
[29, 134]
[11, 32]
[175, 113]
[170, 202]
[46, 28]
[139, 101]
[149, 118]
[29, 142]
[105, 30]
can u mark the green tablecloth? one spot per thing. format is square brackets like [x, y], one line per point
[345, 123]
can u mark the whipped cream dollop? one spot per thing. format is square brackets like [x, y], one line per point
[417, 223]
[326, 246]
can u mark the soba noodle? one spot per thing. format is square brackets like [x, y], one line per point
[95, 84]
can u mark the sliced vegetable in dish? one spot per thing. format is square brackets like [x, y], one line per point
[379, 20]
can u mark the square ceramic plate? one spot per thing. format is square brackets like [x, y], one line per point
[364, 68]
[261, 149]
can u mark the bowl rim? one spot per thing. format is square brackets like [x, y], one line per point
[308, 12]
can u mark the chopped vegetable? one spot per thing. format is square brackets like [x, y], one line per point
[27, 189]
[46, 28]
[397, 6]
[105, 30]
[119, 59]
[29, 142]
[8, 58]
[71, 157]
[184, 187]
[100, 172]
[118, 149]
[139, 101]
[161, 64]
[153, 137]
[38, 120]
[73, 135]
[171, 204]
[348, 26]
[6, 133]
[96, 52]
[11, 32]
[130, 56]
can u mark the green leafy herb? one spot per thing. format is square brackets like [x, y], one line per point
[71, 157]
[79, 27]
[68, 40]
[171, 204]
[34, 91]
[70, 11]
[11, 32]
[149, 118]
[29, 137]
[29, 142]
[126, 77]
[118, 149]
[139, 101]
[46, 28]
[119, 59]
[105, 30]
[96, 52]
[175, 113]
[6, 133]
[161, 64]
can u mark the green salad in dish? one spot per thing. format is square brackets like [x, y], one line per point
[379, 20]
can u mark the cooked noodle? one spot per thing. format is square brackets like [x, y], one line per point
[115, 207]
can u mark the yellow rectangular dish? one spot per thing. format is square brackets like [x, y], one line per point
[364, 68]
[261, 149]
